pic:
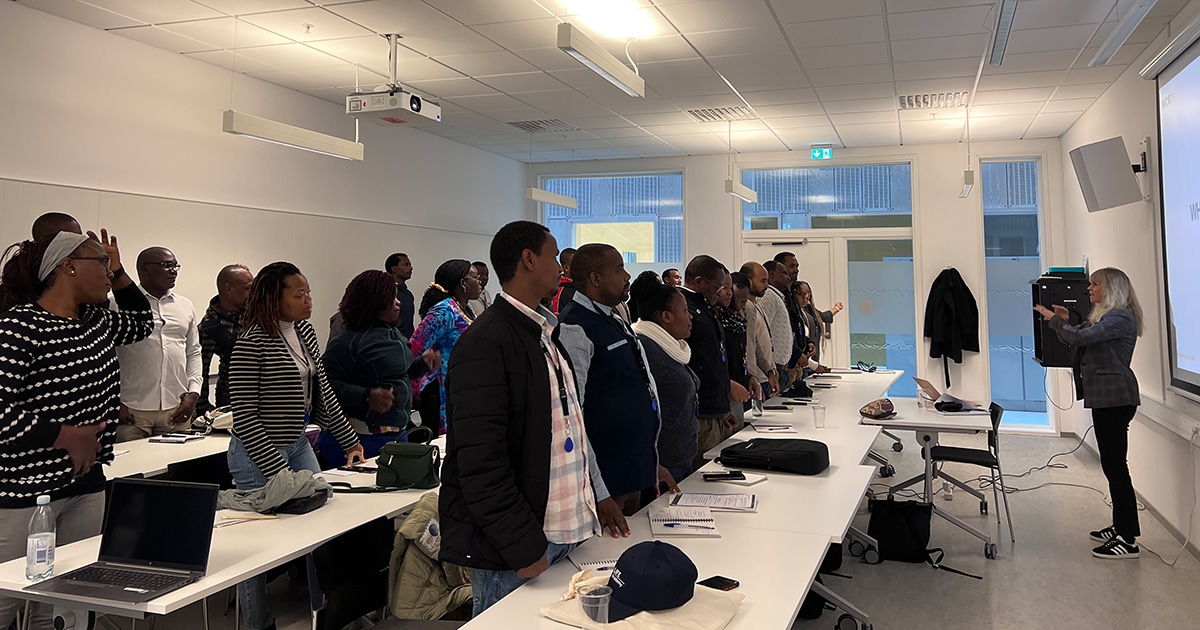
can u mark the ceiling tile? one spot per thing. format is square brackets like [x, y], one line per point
[221, 33]
[1088, 90]
[797, 137]
[485, 103]
[607, 154]
[693, 68]
[905, 6]
[1052, 125]
[288, 79]
[708, 100]
[231, 61]
[456, 41]
[858, 30]
[1000, 127]
[1009, 109]
[958, 20]
[83, 13]
[873, 135]
[306, 25]
[157, 12]
[343, 76]
[811, 11]
[472, 12]
[522, 82]
[713, 15]
[777, 112]
[371, 51]
[423, 69]
[700, 86]
[1105, 74]
[930, 131]
[864, 118]
[516, 115]
[665, 118]
[733, 66]
[1035, 62]
[856, 92]
[565, 104]
[660, 48]
[497, 62]
[1049, 78]
[1147, 30]
[863, 105]
[699, 142]
[406, 17]
[1048, 39]
[243, 7]
[952, 47]
[1012, 96]
[522, 35]
[930, 86]
[939, 69]
[756, 142]
[289, 56]
[849, 55]
[1126, 55]
[333, 95]
[1068, 105]
[1049, 13]
[824, 77]
[620, 134]
[781, 97]
[740, 41]
[450, 88]
[159, 38]
[943, 115]
[793, 122]
[600, 122]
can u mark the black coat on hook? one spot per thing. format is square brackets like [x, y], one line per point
[951, 319]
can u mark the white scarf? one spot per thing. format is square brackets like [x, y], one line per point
[675, 348]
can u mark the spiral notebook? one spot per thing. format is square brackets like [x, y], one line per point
[683, 521]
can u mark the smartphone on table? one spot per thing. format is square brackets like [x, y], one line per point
[720, 583]
[724, 475]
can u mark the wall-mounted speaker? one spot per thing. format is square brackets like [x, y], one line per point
[1105, 174]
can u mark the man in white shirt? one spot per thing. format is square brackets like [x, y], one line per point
[160, 375]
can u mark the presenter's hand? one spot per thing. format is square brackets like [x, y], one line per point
[612, 519]
[1046, 313]
[664, 476]
[535, 569]
[82, 444]
[355, 455]
[1061, 311]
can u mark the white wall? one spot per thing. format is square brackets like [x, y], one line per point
[87, 109]
[947, 230]
[1160, 459]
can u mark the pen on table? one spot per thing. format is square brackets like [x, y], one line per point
[687, 525]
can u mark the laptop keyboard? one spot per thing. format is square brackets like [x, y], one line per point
[128, 579]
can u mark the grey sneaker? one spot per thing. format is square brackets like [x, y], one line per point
[1117, 549]
[1103, 535]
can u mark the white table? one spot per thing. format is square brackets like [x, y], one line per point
[773, 576]
[928, 424]
[151, 459]
[238, 552]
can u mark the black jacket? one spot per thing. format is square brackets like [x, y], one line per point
[358, 361]
[709, 360]
[951, 318]
[496, 476]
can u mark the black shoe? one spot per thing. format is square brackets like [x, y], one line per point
[1103, 535]
[1117, 549]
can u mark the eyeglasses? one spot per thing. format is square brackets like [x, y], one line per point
[168, 265]
[102, 259]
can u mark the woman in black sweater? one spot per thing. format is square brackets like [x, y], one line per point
[59, 384]
[663, 325]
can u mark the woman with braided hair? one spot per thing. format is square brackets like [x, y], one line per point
[445, 314]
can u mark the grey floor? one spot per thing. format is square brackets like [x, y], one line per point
[1047, 579]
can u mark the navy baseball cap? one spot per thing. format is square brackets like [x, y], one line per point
[651, 575]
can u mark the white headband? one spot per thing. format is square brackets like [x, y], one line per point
[63, 245]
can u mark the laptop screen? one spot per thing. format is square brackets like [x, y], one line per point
[159, 524]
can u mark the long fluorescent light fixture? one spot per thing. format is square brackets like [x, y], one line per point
[1182, 41]
[1129, 22]
[737, 189]
[545, 196]
[1004, 23]
[240, 124]
[589, 53]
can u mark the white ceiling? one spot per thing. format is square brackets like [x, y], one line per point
[814, 71]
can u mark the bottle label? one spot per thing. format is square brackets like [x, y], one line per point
[39, 550]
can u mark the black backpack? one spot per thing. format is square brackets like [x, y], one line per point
[902, 530]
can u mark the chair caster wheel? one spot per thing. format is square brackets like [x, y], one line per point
[898, 446]
[886, 470]
[989, 551]
[846, 622]
[871, 556]
[983, 509]
[856, 548]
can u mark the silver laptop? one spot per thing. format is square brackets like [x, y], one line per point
[157, 537]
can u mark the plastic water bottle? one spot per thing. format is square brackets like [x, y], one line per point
[39, 548]
[756, 406]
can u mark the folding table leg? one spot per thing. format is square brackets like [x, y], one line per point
[842, 603]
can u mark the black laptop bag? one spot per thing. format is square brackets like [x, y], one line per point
[800, 456]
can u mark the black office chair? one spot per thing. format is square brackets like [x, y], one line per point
[988, 458]
[352, 574]
[208, 469]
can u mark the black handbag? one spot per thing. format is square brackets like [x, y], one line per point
[796, 455]
[304, 505]
[901, 529]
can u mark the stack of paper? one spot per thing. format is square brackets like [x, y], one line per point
[682, 521]
[717, 502]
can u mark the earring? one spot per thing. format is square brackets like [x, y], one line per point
[71, 272]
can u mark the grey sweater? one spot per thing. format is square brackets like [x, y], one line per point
[678, 403]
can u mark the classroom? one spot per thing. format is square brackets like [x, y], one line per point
[856, 154]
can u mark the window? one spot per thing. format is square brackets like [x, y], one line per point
[640, 215]
[829, 197]
[883, 322]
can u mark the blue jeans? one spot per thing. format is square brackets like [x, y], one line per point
[252, 594]
[489, 587]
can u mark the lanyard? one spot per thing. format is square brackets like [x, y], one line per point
[635, 346]
[562, 395]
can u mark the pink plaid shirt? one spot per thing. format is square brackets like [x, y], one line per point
[567, 521]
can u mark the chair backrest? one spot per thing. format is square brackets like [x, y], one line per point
[996, 412]
[352, 573]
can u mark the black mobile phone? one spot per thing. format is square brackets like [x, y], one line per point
[720, 583]
[725, 475]
[777, 408]
[361, 468]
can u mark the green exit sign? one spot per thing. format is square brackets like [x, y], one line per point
[822, 153]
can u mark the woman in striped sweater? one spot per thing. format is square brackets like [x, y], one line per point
[59, 384]
[277, 384]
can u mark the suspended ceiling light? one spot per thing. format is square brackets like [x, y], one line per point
[1129, 23]
[732, 186]
[545, 196]
[1004, 22]
[589, 53]
[240, 124]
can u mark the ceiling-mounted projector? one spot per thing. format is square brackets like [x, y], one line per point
[393, 107]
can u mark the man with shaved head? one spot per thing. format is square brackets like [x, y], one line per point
[160, 375]
[219, 329]
[48, 224]
[759, 356]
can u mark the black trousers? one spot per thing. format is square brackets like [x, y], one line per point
[1112, 438]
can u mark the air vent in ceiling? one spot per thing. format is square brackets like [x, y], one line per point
[543, 126]
[722, 114]
[933, 101]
